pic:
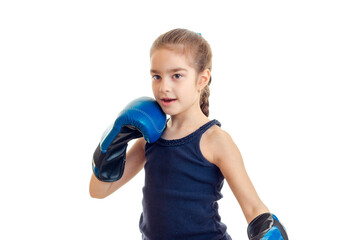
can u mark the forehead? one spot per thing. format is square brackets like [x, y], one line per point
[165, 58]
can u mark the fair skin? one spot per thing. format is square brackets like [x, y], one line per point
[177, 88]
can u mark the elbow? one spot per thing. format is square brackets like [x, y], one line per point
[98, 189]
[97, 194]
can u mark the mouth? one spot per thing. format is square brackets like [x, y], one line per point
[167, 101]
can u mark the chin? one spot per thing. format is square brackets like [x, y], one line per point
[169, 112]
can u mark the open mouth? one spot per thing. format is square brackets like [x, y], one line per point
[167, 101]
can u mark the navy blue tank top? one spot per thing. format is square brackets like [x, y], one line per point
[181, 191]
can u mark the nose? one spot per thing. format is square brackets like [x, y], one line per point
[164, 85]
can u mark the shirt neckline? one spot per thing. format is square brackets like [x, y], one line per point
[186, 139]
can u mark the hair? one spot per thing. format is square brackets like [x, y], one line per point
[195, 46]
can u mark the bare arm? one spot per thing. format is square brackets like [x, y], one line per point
[135, 160]
[223, 152]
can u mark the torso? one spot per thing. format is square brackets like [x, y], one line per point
[182, 186]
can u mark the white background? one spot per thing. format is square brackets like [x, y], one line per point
[285, 86]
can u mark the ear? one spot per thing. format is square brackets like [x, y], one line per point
[204, 78]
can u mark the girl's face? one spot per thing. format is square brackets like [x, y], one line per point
[174, 82]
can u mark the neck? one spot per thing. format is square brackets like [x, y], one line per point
[188, 119]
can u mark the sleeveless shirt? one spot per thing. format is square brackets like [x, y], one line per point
[181, 191]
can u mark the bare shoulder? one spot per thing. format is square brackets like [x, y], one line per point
[139, 145]
[216, 135]
[216, 142]
[141, 142]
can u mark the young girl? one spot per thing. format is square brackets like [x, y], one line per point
[186, 167]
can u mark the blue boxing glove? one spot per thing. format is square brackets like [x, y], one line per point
[141, 117]
[266, 226]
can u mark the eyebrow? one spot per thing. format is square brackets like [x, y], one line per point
[170, 70]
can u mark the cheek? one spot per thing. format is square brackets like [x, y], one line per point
[154, 87]
[155, 93]
[190, 89]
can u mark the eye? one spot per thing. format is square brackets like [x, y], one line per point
[177, 76]
[156, 77]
